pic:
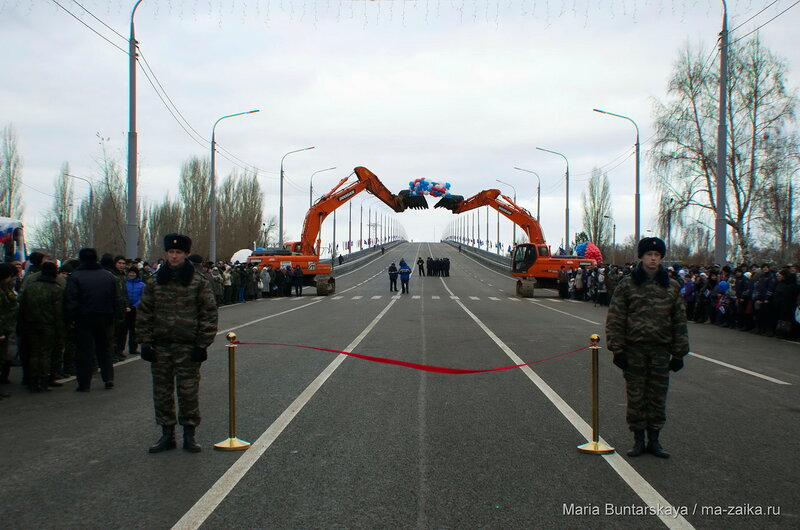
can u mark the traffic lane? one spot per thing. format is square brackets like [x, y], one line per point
[357, 457]
[761, 407]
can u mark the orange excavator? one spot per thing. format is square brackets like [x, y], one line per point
[305, 252]
[532, 262]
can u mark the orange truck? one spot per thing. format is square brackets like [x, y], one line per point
[306, 252]
[531, 263]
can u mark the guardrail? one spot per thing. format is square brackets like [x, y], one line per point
[499, 262]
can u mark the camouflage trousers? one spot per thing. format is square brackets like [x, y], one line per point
[43, 347]
[646, 384]
[173, 368]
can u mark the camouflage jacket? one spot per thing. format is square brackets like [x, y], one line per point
[647, 313]
[177, 306]
[41, 304]
[8, 310]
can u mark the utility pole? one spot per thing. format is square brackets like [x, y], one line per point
[720, 236]
[132, 228]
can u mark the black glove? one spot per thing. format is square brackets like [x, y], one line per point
[147, 353]
[199, 355]
[621, 360]
[676, 363]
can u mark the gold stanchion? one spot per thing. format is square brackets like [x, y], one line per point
[595, 447]
[232, 443]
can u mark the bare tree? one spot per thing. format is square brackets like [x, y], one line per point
[597, 216]
[110, 203]
[58, 234]
[240, 213]
[684, 154]
[158, 221]
[10, 175]
[195, 189]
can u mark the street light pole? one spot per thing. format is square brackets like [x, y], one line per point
[566, 209]
[212, 246]
[514, 237]
[311, 184]
[720, 226]
[132, 218]
[91, 206]
[538, 192]
[636, 204]
[280, 216]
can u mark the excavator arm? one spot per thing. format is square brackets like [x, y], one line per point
[339, 195]
[503, 204]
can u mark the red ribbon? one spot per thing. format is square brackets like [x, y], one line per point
[416, 366]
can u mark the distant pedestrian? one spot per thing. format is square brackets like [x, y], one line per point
[405, 275]
[421, 266]
[393, 277]
[298, 280]
[647, 333]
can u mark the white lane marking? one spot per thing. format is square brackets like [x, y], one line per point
[740, 369]
[377, 297]
[494, 298]
[531, 300]
[474, 298]
[206, 505]
[637, 483]
[337, 297]
[357, 297]
[556, 300]
[415, 297]
[435, 297]
[234, 328]
[453, 297]
[513, 299]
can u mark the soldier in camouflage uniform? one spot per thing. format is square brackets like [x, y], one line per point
[646, 331]
[176, 322]
[41, 313]
[8, 320]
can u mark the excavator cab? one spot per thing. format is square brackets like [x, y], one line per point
[524, 257]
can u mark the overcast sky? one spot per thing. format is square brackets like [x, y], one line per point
[454, 91]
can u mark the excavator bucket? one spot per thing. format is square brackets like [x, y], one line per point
[451, 203]
[416, 202]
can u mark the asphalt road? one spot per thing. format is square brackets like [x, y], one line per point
[340, 442]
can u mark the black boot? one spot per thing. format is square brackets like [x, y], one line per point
[167, 440]
[188, 439]
[638, 443]
[653, 447]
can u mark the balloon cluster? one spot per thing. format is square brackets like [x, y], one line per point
[422, 186]
[589, 250]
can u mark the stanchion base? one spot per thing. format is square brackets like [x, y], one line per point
[232, 444]
[595, 448]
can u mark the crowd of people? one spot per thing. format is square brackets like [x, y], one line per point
[762, 299]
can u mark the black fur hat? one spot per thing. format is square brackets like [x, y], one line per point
[652, 243]
[179, 241]
[87, 255]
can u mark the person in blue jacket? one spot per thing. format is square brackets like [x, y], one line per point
[405, 274]
[135, 287]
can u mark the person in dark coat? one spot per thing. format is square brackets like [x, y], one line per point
[298, 280]
[393, 278]
[421, 266]
[91, 301]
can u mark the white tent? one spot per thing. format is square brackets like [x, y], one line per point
[241, 255]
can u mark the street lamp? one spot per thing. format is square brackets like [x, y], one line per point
[538, 192]
[280, 217]
[636, 228]
[566, 209]
[91, 206]
[789, 219]
[514, 237]
[311, 183]
[212, 246]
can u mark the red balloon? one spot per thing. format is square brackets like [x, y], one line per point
[592, 252]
